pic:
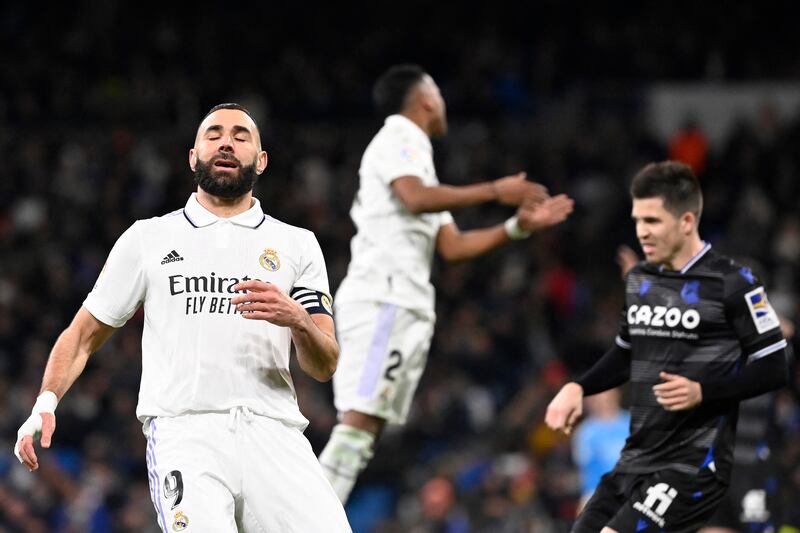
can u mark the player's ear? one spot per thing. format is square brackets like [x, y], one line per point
[261, 162]
[192, 158]
[688, 222]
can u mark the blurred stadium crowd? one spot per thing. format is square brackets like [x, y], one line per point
[97, 113]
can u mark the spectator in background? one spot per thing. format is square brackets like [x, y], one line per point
[690, 145]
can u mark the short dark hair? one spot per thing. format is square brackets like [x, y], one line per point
[393, 87]
[672, 181]
[231, 105]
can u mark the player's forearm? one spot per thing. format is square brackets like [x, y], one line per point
[445, 197]
[317, 352]
[469, 244]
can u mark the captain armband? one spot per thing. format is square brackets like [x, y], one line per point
[314, 302]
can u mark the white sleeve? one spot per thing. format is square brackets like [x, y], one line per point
[121, 285]
[313, 274]
[397, 157]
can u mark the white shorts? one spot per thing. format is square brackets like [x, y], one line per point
[384, 349]
[229, 472]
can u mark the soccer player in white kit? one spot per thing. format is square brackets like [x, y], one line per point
[385, 304]
[226, 290]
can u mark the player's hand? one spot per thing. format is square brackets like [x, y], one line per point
[565, 409]
[42, 422]
[677, 393]
[515, 189]
[266, 301]
[626, 259]
[534, 216]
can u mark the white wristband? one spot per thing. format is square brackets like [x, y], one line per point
[513, 230]
[45, 403]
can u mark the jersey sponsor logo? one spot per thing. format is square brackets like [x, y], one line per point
[659, 497]
[197, 289]
[171, 257]
[764, 316]
[662, 316]
[269, 260]
[180, 522]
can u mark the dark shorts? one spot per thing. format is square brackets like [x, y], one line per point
[666, 501]
[752, 503]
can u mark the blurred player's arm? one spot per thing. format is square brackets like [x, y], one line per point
[455, 245]
[68, 358]
[509, 190]
[626, 259]
[313, 334]
[610, 371]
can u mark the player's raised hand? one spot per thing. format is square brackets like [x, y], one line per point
[677, 393]
[565, 409]
[42, 422]
[266, 301]
[515, 189]
[626, 259]
[534, 216]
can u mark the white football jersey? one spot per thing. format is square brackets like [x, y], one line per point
[392, 251]
[198, 353]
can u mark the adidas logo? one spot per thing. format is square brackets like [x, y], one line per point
[172, 257]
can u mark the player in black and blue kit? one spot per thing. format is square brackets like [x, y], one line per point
[693, 319]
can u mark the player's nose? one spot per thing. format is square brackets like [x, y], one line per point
[226, 143]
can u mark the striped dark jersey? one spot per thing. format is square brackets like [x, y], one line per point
[702, 322]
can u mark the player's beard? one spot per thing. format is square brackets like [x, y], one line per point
[225, 184]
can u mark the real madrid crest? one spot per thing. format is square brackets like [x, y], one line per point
[269, 260]
[181, 521]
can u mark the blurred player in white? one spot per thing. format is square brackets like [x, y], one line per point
[226, 290]
[385, 305]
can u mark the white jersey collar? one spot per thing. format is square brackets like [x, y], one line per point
[693, 260]
[198, 216]
[410, 126]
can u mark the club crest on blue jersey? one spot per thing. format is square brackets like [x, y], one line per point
[180, 522]
[691, 292]
[269, 260]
